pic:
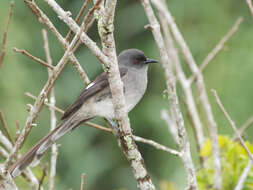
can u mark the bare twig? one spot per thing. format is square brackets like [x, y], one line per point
[45, 20]
[244, 127]
[65, 16]
[171, 125]
[212, 126]
[17, 130]
[2, 118]
[5, 34]
[218, 47]
[190, 103]
[250, 6]
[82, 181]
[3, 140]
[78, 17]
[157, 146]
[24, 52]
[53, 119]
[44, 174]
[231, 122]
[41, 98]
[27, 174]
[143, 179]
[244, 175]
[86, 19]
[184, 145]
[3, 152]
[89, 25]
[136, 138]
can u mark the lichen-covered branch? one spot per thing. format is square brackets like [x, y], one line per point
[185, 83]
[184, 144]
[212, 126]
[109, 60]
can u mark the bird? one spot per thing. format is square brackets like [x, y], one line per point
[94, 100]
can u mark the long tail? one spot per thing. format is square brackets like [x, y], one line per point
[37, 151]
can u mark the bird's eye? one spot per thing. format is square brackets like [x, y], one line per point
[135, 61]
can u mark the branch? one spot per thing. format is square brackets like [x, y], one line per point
[212, 126]
[185, 83]
[78, 18]
[171, 87]
[44, 174]
[157, 145]
[136, 138]
[86, 19]
[24, 52]
[27, 174]
[232, 123]
[116, 89]
[45, 20]
[53, 119]
[5, 127]
[249, 3]
[244, 127]
[42, 96]
[125, 137]
[82, 181]
[218, 47]
[244, 175]
[5, 34]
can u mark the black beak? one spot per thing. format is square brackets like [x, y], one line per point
[151, 61]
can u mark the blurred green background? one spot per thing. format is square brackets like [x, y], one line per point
[94, 152]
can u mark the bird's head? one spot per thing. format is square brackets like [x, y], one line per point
[134, 58]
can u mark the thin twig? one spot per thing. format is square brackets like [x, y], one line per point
[157, 146]
[106, 129]
[5, 34]
[45, 20]
[24, 52]
[53, 119]
[190, 103]
[231, 122]
[45, 102]
[82, 181]
[171, 125]
[2, 118]
[86, 19]
[44, 174]
[184, 144]
[27, 174]
[218, 47]
[17, 130]
[250, 6]
[42, 96]
[65, 16]
[212, 126]
[244, 175]
[3, 152]
[78, 17]
[89, 25]
[244, 127]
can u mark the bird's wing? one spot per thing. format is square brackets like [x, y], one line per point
[100, 83]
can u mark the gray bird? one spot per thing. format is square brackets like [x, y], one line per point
[95, 100]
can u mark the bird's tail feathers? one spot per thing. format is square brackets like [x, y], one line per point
[37, 151]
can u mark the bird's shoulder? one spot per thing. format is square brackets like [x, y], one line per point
[98, 85]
